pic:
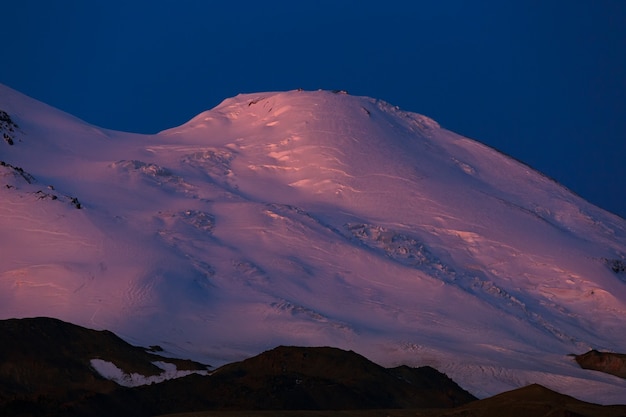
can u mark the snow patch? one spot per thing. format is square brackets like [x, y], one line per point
[110, 371]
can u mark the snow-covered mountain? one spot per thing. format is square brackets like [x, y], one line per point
[311, 218]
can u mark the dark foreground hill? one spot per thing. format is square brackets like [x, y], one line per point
[534, 400]
[298, 378]
[45, 364]
[46, 370]
[530, 401]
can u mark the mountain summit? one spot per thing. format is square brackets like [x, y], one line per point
[311, 218]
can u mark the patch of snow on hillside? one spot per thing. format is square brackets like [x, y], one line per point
[110, 371]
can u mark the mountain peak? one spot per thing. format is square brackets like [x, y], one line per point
[270, 108]
[310, 218]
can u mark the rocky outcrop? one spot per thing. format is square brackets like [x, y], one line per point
[607, 362]
[7, 128]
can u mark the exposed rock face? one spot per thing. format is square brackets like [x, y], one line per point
[7, 128]
[607, 362]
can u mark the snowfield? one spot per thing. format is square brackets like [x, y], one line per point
[311, 218]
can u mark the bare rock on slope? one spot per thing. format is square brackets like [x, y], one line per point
[607, 362]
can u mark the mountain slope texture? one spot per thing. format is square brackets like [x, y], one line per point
[311, 218]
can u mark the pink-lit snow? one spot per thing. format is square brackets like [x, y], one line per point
[311, 218]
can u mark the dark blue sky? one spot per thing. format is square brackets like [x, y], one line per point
[542, 80]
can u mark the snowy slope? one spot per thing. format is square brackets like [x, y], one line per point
[311, 218]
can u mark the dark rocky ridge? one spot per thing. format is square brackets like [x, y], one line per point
[45, 371]
[317, 378]
[45, 363]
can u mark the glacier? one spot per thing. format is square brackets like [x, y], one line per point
[311, 218]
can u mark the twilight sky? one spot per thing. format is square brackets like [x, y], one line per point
[541, 80]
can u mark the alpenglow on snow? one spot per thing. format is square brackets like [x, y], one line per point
[311, 218]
